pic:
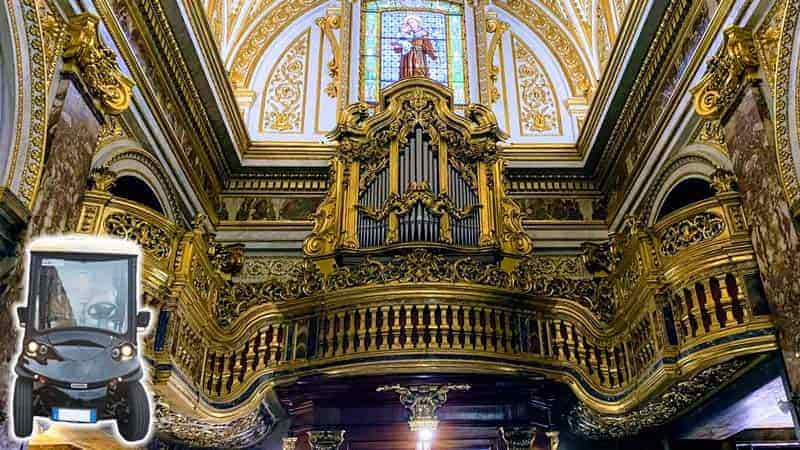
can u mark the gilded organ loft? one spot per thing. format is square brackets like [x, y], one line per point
[429, 224]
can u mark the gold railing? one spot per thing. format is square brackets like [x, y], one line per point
[661, 302]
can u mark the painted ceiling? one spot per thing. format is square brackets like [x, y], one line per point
[279, 60]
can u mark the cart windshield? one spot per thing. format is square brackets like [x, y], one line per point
[83, 292]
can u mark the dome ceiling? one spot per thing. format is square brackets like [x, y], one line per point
[537, 62]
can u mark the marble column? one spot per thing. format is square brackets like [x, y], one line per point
[518, 438]
[82, 102]
[325, 439]
[731, 92]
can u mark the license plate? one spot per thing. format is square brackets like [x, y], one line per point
[74, 415]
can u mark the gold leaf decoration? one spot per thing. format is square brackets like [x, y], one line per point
[538, 114]
[284, 95]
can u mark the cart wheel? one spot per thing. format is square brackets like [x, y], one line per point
[135, 426]
[23, 407]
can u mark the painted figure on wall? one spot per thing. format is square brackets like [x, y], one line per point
[415, 47]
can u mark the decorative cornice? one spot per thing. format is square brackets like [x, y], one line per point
[735, 64]
[86, 57]
[783, 99]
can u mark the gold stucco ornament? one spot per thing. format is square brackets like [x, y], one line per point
[735, 64]
[86, 57]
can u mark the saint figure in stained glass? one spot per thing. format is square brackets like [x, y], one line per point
[415, 47]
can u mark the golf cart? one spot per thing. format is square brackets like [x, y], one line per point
[79, 360]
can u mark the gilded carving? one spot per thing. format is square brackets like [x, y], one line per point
[418, 192]
[787, 124]
[325, 439]
[535, 96]
[154, 241]
[87, 57]
[723, 181]
[518, 438]
[284, 94]
[701, 227]
[237, 433]
[243, 63]
[423, 400]
[571, 62]
[305, 279]
[102, 178]
[324, 236]
[735, 64]
[496, 28]
[327, 24]
[588, 423]
[513, 236]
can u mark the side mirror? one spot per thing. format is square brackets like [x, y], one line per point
[142, 319]
[22, 315]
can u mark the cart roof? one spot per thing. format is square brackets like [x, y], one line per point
[76, 243]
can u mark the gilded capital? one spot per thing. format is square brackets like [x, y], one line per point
[86, 57]
[736, 63]
[102, 178]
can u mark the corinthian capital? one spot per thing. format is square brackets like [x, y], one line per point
[734, 65]
[86, 57]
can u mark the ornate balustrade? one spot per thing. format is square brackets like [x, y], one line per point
[653, 306]
[103, 214]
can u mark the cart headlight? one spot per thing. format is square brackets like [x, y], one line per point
[32, 348]
[124, 352]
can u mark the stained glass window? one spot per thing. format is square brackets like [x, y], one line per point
[404, 38]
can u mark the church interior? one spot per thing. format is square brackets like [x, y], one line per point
[424, 224]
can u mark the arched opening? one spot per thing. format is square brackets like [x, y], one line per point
[136, 190]
[691, 190]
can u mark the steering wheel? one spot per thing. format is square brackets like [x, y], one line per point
[102, 310]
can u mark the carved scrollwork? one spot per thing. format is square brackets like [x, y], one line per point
[86, 56]
[154, 241]
[417, 192]
[735, 64]
[323, 237]
[420, 266]
[688, 232]
[513, 237]
[591, 424]
[238, 433]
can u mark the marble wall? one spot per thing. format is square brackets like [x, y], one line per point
[750, 140]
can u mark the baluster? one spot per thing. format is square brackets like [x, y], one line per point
[695, 315]
[394, 318]
[479, 327]
[613, 367]
[727, 303]
[341, 325]
[385, 327]
[454, 329]
[540, 337]
[490, 329]
[436, 331]
[738, 284]
[570, 343]
[557, 341]
[580, 350]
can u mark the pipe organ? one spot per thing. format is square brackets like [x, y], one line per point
[417, 174]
